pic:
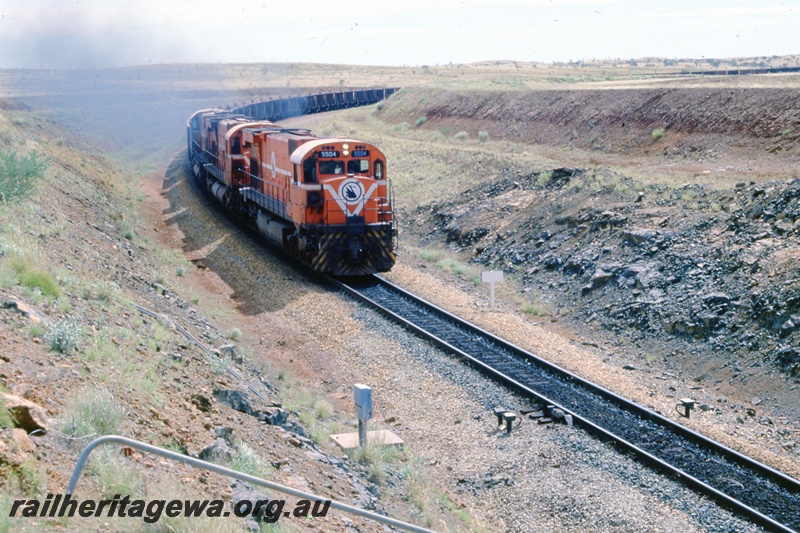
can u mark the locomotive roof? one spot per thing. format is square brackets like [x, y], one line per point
[274, 128]
[303, 150]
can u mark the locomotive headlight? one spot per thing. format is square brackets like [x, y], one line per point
[345, 149]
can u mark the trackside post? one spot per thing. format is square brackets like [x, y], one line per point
[490, 277]
[363, 398]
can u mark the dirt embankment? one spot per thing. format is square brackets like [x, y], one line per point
[670, 122]
[697, 278]
[74, 258]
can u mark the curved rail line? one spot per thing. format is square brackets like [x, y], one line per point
[760, 493]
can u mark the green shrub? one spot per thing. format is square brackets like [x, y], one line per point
[483, 136]
[377, 457]
[104, 291]
[537, 307]
[461, 136]
[420, 121]
[543, 178]
[431, 255]
[5, 417]
[323, 409]
[63, 335]
[657, 133]
[36, 331]
[44, 282]
[456, 267]
[92, 413]
[18, 174]
[102, 349]
[32, 478]
[115, 474]
[246, 460]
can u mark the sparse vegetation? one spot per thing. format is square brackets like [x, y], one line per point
[63, 335]
[104, 291]
[23, 272]
[543, 178]
[376, 457]
[461, 136]
[41, 281]
[448, 264]
[323, 409]
[431, 256]
[246, 460]
[5, 417]
[452, 265]
[18, 174]
[32, 478]
[536, 309]
[115, 473]
[235, 334]
[483, 135]
[102, 348]
[657, 133]
[91, 413]
[194, 297]
[36, 331]
[420, 121]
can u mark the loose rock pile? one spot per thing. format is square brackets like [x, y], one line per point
[672, 270]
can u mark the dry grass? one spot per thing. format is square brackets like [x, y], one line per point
[426, 164]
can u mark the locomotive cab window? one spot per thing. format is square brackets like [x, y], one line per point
[358, 166]
[331, 167]
[378, 169]
[310, 170]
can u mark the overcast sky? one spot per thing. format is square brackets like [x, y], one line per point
[110, 33]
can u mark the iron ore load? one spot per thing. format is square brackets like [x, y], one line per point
[326, 201]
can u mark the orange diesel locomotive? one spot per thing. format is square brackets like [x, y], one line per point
[324, 200]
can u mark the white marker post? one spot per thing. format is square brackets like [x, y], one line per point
[491, 277]
[363, 397]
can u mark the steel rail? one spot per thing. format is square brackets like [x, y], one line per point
[756, 516]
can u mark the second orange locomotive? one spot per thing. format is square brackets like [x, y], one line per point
[326, 201]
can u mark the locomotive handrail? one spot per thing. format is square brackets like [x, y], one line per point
[215, 158]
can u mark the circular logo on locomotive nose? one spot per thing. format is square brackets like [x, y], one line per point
[351, 191]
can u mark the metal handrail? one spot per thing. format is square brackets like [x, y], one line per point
[212, 158]
[384, 211]
[197, 463]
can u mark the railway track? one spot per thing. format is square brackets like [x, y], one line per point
[763, 495]
[756, 491]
